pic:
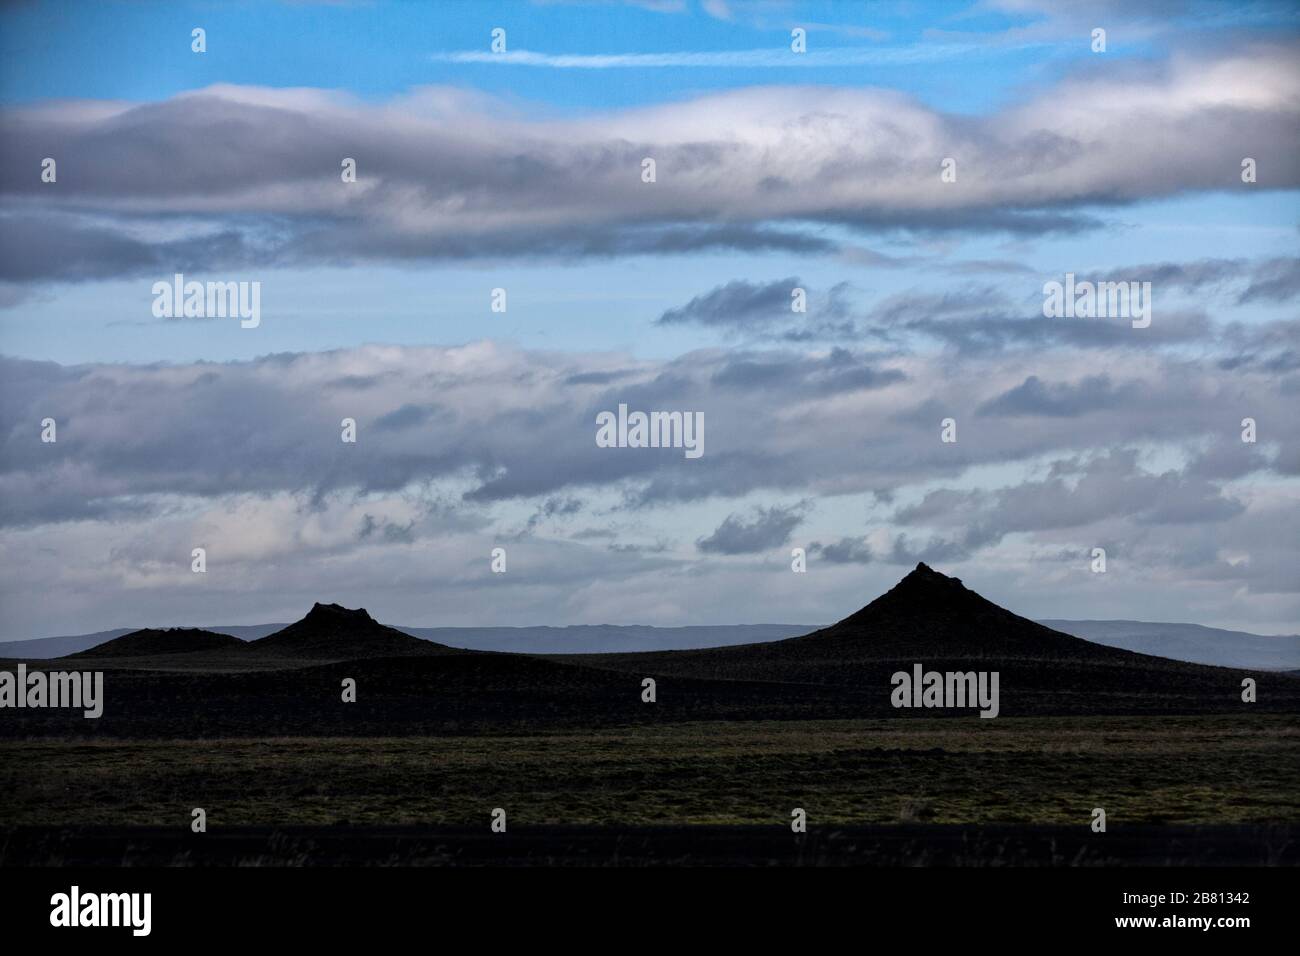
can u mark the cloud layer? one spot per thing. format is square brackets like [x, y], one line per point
[462, 449]
[234, 177]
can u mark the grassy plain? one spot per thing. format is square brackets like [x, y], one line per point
[1053, 770]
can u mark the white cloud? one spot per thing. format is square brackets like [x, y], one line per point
[446, 174]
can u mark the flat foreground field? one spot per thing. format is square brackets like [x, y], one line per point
[1211, 770]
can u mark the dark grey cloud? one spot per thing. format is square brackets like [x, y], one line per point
[1265, 280]
[1277, 280]
[553, 507]
[599, 378]
[765, 311]
[843, 551]
[972, 318]
[658, 547]
[408, 416]
[841, 370]
[987, 332]
[738, 304]
[60, 247]
[372, 527]
[935, 550]
[1271, 347]
[764, 529]
[1033, 396]
[588, 534]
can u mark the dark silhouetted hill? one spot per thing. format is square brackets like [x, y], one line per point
[408, 686]
[934, 620]
[926, 617]
[333, 633]
[152, 642]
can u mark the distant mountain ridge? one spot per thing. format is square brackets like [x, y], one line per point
[1190, 642]
[1186, 642]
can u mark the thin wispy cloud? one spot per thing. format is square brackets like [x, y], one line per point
[777, 57]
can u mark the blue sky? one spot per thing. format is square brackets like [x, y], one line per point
[522, 171]
[130, 50]
[970, 59]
